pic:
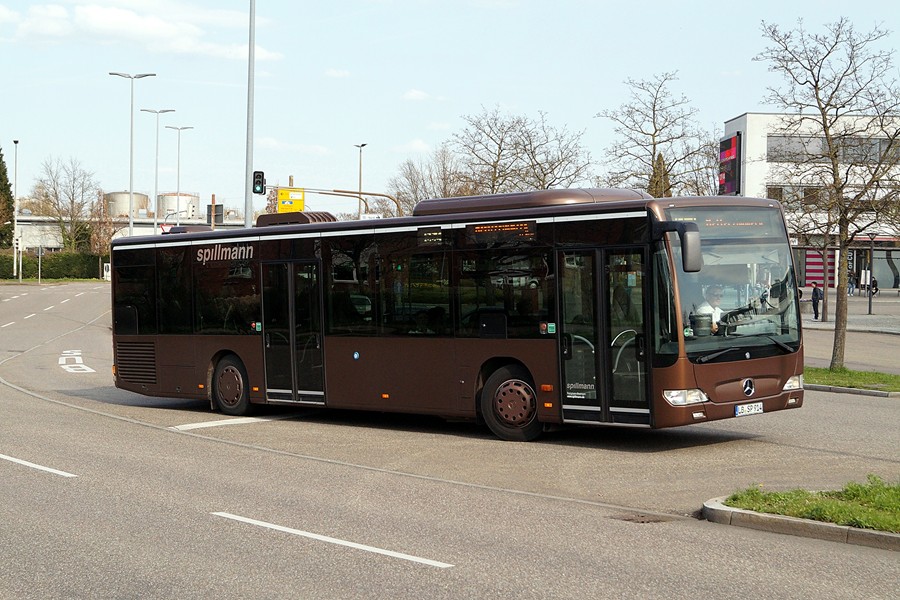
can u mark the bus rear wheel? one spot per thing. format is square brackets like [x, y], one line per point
[230, 390]
[509, 405]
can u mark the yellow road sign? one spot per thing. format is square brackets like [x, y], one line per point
[290, 199]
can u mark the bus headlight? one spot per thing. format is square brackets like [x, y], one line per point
[684, 397]
[794, 382]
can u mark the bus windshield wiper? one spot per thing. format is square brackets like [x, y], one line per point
[708, 357]
[779, 343]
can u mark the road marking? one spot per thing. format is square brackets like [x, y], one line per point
[8, 324]
[77, 363]
[66, 300]
[29, 316]
[221, 422]
[49, 307]
[38, 467]
[79, 294]
[331, 540]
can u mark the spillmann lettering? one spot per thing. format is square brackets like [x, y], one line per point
[205, 255]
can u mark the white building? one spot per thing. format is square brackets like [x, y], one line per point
[765, 166]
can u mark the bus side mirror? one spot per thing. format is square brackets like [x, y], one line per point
[689, 234]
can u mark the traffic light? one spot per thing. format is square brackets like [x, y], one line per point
[259, 182]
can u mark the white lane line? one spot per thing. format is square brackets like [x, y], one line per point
[66, 300]
[79, 294]
[29, 316]
[38, 467]
[8, 324]
[49, 307]
[331, 540]
[221, 422]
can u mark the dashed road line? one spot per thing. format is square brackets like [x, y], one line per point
[339, 542]
[238, 421]
[31, 465]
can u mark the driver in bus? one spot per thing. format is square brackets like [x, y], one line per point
[712, 306]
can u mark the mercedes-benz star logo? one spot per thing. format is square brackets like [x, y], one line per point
[749, 387]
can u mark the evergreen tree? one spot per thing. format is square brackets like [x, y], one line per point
[6, 206]
[659, 186]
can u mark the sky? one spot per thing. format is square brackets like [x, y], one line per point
[397, 75]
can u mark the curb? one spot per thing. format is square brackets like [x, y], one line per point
[716, 512]
[845, 390]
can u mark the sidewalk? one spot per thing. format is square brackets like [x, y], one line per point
[885, 317]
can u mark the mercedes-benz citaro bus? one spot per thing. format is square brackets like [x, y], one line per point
[525, 311]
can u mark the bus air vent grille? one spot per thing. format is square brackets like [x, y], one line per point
[136, 362]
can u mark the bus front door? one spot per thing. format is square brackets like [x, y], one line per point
[292, 332]
[602, 340]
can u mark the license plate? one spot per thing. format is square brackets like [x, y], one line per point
[742, 410]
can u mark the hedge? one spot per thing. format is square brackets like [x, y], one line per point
[55, 265]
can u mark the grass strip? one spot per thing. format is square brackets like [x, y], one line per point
[871, 505]
[868, 380]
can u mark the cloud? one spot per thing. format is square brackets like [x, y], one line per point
[183, 29]
[337, 73]
[7, 15]
[414, 146]
[416, 95]
[51, 21]
[270, 143]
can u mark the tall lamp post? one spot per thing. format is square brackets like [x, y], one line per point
[131, 147]
[156, 169]
[178, 176]
[16, 242]
[359, 204]
[872, 235]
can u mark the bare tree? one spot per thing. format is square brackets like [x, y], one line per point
[651, 123]
[488, 149]
[436, 177]
[840, 136]
[550, 157]
[701, 174]
[66, 192]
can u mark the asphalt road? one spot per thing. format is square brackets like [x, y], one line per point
[145, 498]
[862, 352]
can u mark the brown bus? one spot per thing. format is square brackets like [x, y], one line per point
[526, 311]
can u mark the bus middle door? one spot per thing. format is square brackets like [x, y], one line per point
[602, 338]
[292, 332]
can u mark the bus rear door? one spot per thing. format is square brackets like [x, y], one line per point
[602, 336]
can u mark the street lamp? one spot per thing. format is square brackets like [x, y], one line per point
[178, 176]
[359, 204]
[16, 211]
[156, 171]
[872, 235]
[131, 147]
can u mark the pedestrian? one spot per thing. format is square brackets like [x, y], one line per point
[816, 298]
[851, 284]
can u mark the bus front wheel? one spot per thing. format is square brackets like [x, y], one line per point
[230, 386]
[509, 405]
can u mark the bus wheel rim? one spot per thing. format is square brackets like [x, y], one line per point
[514, 403]
[230, 386]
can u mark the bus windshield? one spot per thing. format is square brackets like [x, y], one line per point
[744, 297]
